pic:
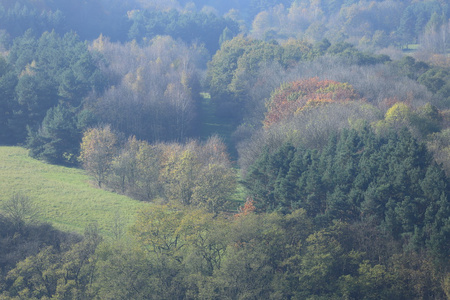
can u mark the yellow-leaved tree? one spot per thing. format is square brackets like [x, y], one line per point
[198, 175]
[215, 186]
[180, 176]
[98, 147]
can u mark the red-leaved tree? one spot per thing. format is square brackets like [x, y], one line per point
[295, 96]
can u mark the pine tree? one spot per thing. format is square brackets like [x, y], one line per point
[57, 140]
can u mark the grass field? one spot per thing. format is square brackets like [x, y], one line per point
[411, 47]
[211, 124]
[64, 196]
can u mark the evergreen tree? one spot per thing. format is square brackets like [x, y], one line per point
[57, 140]
[8, 81]
[391, 181]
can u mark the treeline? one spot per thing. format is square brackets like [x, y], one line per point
[41, 73]
[55, 87]
[243, 74]
[191, 254]
[370, 25]
[51, 79]
[391, 181]
[202, 28]
[190, 174]
[120, 21]
[88, 19]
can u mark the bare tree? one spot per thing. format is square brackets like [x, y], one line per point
[156, 91]
[20, 209]
[436, 36]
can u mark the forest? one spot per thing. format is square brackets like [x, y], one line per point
[291, 149]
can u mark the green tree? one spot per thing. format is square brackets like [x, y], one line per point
[148, 166]
[248, 265]
[8, 81]
[50, 70]
[397, 117]
[434, 79]
[401, 191]
[124, 272]
[215, 186]
[57, 140]
[57, 273]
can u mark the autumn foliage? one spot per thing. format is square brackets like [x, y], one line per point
[197, 174]
[97, 150]
[295, 96]
[247, 208]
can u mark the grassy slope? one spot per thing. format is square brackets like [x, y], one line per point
[64, 196]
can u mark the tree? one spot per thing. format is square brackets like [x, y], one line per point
[66, 272]
[388, 179]
[58, 139]
[157, 229]
[215, 186]
[50, 71]
[154, 83]
[397, 117]
[422, 121]
[148, 166]
[439, 145]
[98, 147]
[123, 169]
[124, 272]
[8, 134]
[233, 73]
[293, 97]
[181, 177]
[20, 210]
[435, 35]
[187, 26]
[324, 261]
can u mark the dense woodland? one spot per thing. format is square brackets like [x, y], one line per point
[333, 182]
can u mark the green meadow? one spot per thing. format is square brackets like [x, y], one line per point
[212, 124]
[63, 196]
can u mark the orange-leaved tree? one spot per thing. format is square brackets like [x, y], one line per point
[295, 96]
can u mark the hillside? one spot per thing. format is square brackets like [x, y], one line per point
[64, 196]
[261, 149]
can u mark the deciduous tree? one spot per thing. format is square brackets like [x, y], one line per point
[98, 147]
